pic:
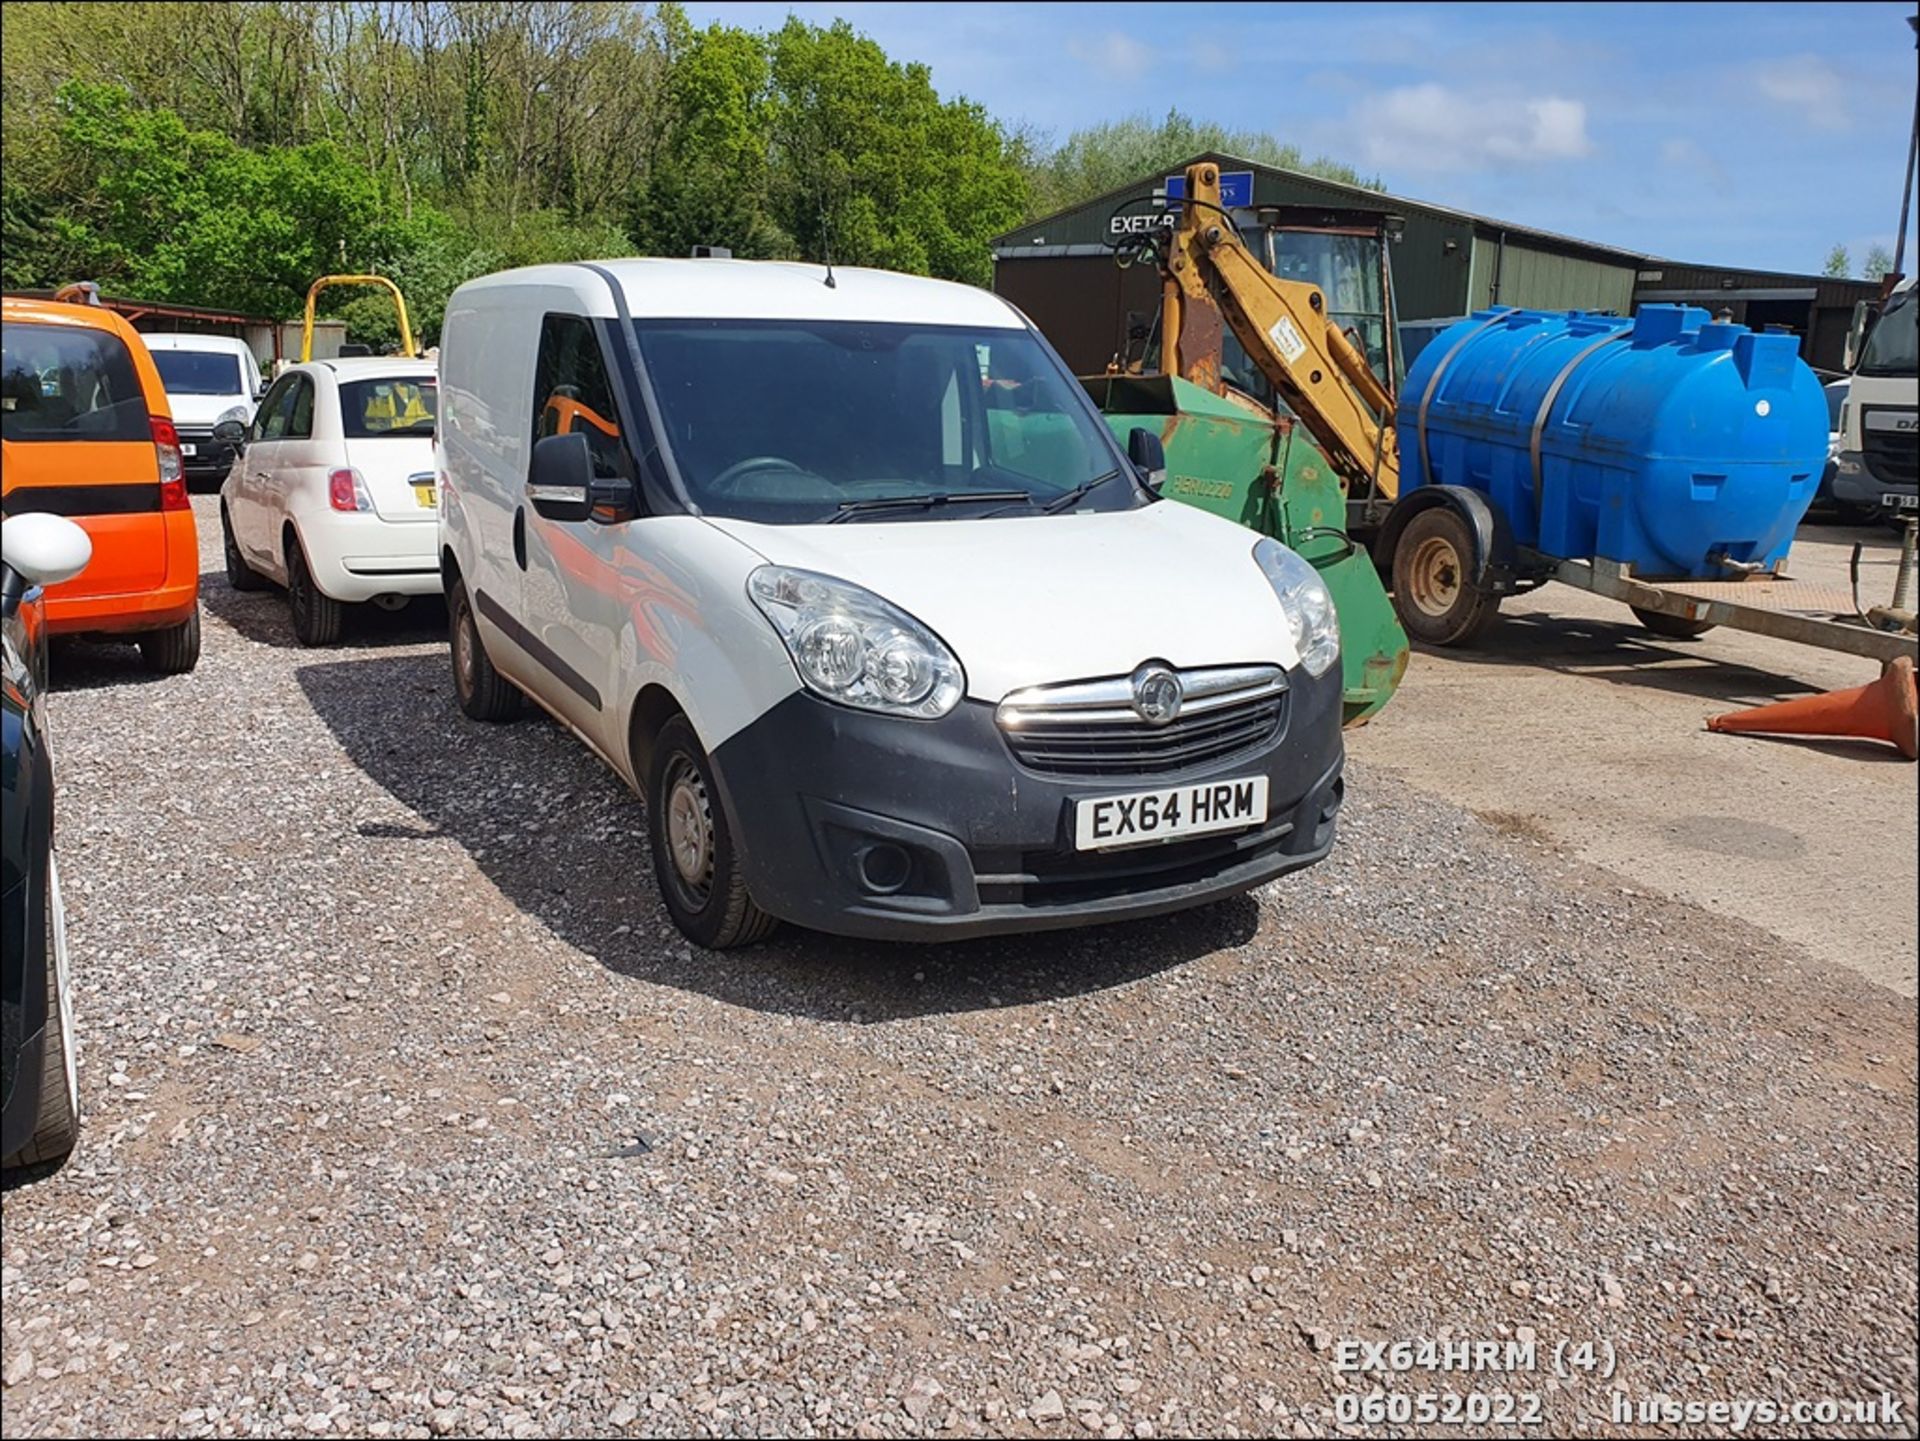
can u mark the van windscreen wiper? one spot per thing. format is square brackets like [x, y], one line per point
[851, 508]
[1072, 497]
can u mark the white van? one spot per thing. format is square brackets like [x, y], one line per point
[208, 379]
[845, 574]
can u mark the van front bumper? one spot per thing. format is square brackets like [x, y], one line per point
[812, 790]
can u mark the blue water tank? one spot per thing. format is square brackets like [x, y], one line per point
[1664, 441]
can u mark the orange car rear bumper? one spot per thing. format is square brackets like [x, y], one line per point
[72, 607]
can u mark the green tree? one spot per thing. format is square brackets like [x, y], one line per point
[1879, 262]
[1839, 263]
[1103, 158]
[707, 178]
[151, 208]
[870, 165]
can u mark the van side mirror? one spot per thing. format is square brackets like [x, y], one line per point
[39, 549]
[560, 478]
[561, 484]
[231, 432]
[1149, 456]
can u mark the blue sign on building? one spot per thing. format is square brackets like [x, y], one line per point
[1236, 189]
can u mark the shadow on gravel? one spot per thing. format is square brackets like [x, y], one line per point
[74, 665]
[1623, 653]
[569, 850]
[261, 617]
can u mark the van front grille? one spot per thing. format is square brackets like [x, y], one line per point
[1090, 728]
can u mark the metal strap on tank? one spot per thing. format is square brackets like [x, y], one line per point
[1433, 387]
[1546, 409]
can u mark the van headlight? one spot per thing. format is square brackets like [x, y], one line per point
[851, 646]
[240, 413]
[1306, 602]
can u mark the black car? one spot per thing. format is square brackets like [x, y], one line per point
[41, 1116]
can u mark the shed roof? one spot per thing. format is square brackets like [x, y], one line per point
[1356, 194]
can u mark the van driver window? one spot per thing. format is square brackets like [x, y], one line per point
[572, 394]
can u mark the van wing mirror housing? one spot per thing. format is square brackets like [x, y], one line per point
[561, 484]
[1149, 457]
[231, 432]
[38, 549]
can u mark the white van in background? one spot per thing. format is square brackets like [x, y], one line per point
[846, 575]
[208, 379]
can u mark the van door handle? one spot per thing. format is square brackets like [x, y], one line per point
[520, 536]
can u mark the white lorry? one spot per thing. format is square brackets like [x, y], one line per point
[1879, 465]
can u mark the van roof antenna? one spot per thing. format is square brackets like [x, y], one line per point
[826, 245]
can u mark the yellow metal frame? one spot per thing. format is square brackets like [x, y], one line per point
[399, 306]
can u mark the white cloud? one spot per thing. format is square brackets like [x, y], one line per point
[1112, 53]
[1433, 128]
[1808, 84]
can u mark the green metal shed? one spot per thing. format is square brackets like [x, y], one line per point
[1446, 262]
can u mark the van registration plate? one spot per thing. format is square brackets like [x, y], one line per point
[1104, 822]
[423, 496]
[1894, 500]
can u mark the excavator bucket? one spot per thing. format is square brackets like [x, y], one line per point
[1266, 473]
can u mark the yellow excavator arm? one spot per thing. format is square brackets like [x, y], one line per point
[1212, 280]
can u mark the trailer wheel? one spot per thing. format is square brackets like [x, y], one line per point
[1433, 586]
[1671, 627]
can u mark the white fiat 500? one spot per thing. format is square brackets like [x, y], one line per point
[847, 576]
[332, 494]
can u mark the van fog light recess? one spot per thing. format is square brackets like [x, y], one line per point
[884, 867]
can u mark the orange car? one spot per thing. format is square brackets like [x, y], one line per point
[85, 432]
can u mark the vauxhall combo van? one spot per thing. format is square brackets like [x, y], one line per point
[844, 574]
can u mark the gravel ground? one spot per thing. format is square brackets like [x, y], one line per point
[408, 1114]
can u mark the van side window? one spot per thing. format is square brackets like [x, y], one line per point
[571, 392]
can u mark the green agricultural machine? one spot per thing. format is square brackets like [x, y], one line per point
[1272, 341]
[1265, 472]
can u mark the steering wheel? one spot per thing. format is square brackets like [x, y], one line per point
[730, 478]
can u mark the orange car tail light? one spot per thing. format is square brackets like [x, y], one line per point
[173, 473]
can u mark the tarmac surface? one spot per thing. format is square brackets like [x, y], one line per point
[1570, 723]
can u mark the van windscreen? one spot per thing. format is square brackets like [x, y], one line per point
[796, 422]
[198, 372]
[62, 382]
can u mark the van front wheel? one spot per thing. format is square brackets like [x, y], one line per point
[694, 858]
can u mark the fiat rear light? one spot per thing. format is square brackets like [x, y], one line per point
[346, 490]
[173, 470]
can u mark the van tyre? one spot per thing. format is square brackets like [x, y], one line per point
[1433, 587]
[56, 1126]
[1671, 627]
[175, 650]
[316, 615]
[694, 857]
[483, 694]
[240, 575]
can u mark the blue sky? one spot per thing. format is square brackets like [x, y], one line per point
[1737, 134]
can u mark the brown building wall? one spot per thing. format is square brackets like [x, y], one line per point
[1080, 303]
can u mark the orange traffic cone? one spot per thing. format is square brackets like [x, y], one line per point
[1886, 710]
